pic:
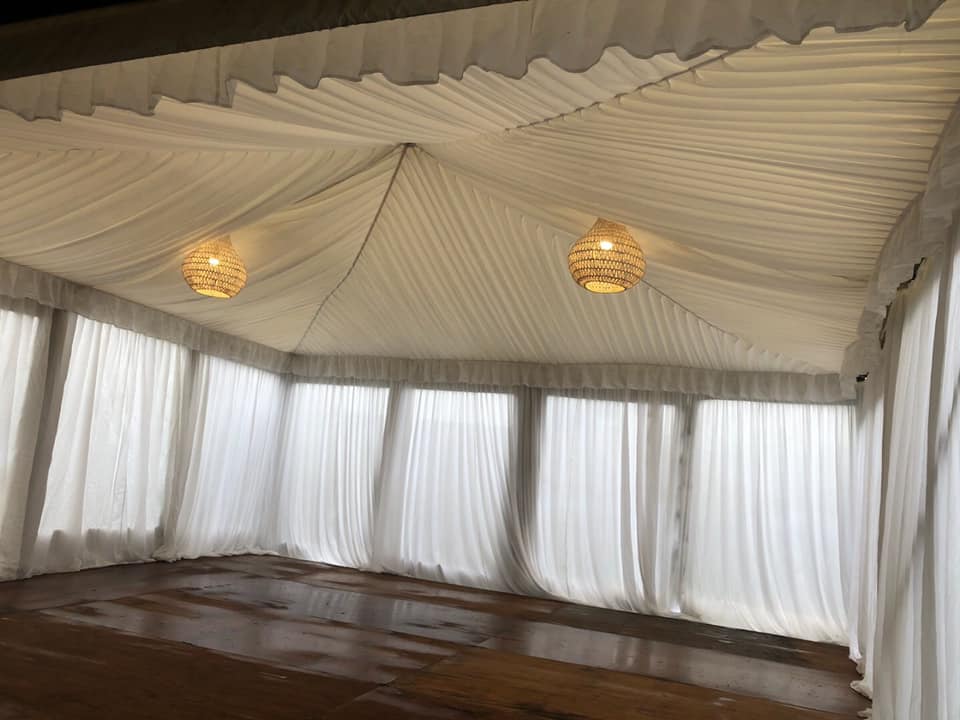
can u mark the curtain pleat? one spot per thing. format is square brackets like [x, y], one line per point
[24, 336]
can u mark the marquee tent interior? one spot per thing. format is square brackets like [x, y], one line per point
[411, 382]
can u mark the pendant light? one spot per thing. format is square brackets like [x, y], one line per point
[215, 269]
[607, 259]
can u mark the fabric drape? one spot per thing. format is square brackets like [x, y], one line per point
[863, 541]
[330, 459]
[24, 337]
[152, 450]
[28, 285]
[912, 670]
[766, 512]
[226, 503]
[767, 273]
[445, 508]
[113, 450]
[503, 37]
[608, 498]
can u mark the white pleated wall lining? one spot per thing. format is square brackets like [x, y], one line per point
[150, 451]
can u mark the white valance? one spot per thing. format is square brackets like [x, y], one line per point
[787, 387]
[922, 230]
[503, 38]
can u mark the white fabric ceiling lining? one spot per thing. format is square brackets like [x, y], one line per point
[485, 281]
[922, 231]
[812, 210]
[301, 253]
[366, 238]
[780, 299]
[718, 283]
[349, 112]
[504, 38]
[269, 203]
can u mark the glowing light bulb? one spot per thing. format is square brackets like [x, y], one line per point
[606, 245]
[213, 261]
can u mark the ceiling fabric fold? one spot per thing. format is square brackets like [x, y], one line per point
[779, 171]
[504, 38]
[122, 222]
[761, 183]
[487, 281]
[340, 112]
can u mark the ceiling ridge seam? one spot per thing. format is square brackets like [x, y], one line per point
[363, 245]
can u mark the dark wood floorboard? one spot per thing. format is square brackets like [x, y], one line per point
[266, 637]
[53, 669]
[49, 591]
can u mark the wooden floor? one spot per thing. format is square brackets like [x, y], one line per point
[261, 637]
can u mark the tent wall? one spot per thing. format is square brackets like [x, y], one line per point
[150, 450]
[908, 631]
[122, 447]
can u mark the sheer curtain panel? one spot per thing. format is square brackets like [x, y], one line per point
[113, 450]
[445, 508]
[224, 502]
[331, 449]
[766, 509]
[24, 338]
[608, 498]
[863, 543]
[898, 668]
[916, 663]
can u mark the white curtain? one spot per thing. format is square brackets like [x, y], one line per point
[24, 337]
[608, 498]
[226, 501]
[766, 509]
[445, 508]
[113, 449]
[941, 627]
[330, 458]
[863, 523]
[898, 669]
[915, 668]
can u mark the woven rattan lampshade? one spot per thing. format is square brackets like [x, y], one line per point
[607, 259]
[215, 269]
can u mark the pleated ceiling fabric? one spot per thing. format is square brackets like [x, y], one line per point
[367, 111]
[768, 179]
[429, 221]
[503, 38]
[485, 279]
